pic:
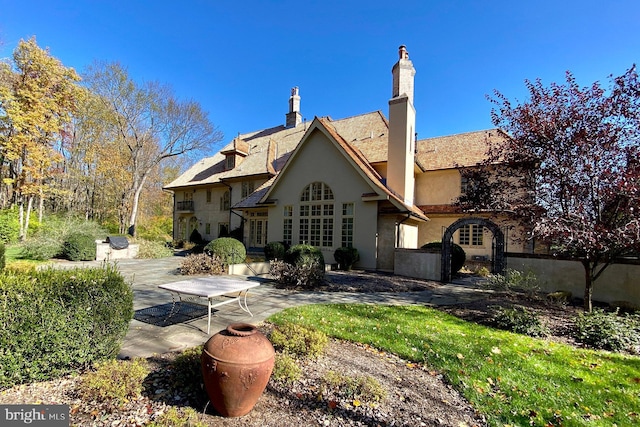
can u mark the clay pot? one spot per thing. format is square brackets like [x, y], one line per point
[236, 365]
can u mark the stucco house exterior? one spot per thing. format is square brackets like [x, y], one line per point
[361, 181]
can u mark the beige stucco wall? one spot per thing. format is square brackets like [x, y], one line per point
[417, 263]
[439, 187]
[619, 282]
[319, 160]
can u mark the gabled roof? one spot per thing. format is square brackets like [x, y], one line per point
[356, 157]
[454, 151]
[267, 150]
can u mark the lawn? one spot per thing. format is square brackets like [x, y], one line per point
[514, 380]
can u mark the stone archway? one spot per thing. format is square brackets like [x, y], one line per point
[498, 238]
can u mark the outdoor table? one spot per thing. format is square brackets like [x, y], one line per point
[216, 290]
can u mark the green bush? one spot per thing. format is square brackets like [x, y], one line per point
[114, 381]
[152, 249]
[57, 321]
[512, 280]
[195, 237]
[41, 247]
[608, 331]
[458, 255]
[346, 257]
[201, 264]
[178, 417]
[274, 251]
[519, 320]
[187, 371]
[3, 259]
[79, 247]
[286, 368]
[298, 340]
[303, 254]
[230, 250]
[9, 226]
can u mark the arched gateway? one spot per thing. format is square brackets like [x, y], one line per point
[497, 264]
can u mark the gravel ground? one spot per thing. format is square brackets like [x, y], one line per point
[415, 394]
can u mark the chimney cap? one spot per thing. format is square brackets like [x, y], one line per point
[402, 52]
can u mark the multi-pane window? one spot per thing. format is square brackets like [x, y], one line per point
[225, 202]
[247, 188]
[347, 225]
[207, 228]
[316, 215]
[287, 226]
[471, 235]
[208, 196]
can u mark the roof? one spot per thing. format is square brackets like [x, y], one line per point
[454, 151]
[267, 150]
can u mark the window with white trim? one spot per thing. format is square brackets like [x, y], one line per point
[287, 226]
[347, 225]
[316, 215]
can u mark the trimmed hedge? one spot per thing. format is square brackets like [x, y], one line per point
[274, 250]
[54, 322]
[299, 255]
[79, 247]
[458, 255]
[346, 257]
[230, 250]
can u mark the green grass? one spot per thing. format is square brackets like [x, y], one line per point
[512, 379]
[14, 258]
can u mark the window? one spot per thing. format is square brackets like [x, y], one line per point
[316, 215]
[207, 228]
[471, 235]
[347, 225]
[225, 203]
[231, 162]
[208, 196]
[464, 185]
[287, 227]
[223, 229]
[247, 188]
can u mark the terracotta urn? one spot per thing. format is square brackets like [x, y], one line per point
[236, 365]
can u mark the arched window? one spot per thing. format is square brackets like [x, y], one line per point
[316, 215]
[225, 201]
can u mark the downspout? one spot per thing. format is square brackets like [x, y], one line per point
[398, 230]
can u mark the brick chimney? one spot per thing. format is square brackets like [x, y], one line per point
[402, 127]
[294, 118]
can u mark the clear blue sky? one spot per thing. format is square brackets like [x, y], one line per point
[239, 59]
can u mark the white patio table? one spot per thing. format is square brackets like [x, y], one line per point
[216, 290]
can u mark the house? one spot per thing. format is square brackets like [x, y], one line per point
[361, 181]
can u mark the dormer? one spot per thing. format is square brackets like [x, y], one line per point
[235, 154]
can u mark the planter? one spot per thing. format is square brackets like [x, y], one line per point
[236, 365]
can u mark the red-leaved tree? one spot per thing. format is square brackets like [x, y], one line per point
[568, 169]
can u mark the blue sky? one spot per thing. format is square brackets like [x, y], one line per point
[240, 59]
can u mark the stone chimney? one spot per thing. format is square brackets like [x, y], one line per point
[294, 118]
[402, 128]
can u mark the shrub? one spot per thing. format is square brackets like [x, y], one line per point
[305, 276]
[195, 237]
[187, 371]
[346, 257]
[41, 247]
[358, 387]
[274, 251]
[608, 331]
[3, 259]
[298, 340]
[114, 381]
[201, 264]
[174, 417]
[152, 249]
[9, 226]
[57, 321]
[79, 247]
[304, 254]
[514, 280]
[230, 250]
[458, 255]
[286, 368]
[519, 320]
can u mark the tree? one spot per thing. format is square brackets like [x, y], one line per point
[37, 97]
[568, 169]
[149, 126]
